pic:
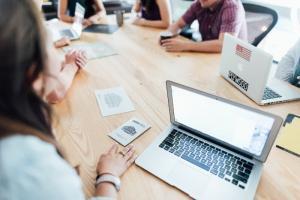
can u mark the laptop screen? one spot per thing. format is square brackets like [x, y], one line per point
[244, 129]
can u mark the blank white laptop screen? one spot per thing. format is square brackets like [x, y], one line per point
[241, 128]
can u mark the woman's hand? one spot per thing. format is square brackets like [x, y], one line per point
[116, 162]
[62, 42]
[76, 58]
[87, 22]
[139, 21]
[81, 59]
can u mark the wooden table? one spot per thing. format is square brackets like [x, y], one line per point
[142, 68]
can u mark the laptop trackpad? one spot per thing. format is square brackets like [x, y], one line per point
[188, 179]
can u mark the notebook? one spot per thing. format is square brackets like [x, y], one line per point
[289, 137]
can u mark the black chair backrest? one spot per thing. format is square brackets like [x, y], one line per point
[260, 21]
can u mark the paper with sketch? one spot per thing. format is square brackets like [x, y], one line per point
[113, 101]
[129, 131]
[93, 50]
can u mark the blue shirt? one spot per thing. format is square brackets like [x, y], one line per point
[32, 169]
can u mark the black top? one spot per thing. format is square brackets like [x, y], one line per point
[87, 4]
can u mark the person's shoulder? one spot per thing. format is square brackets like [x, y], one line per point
[234, 4]
[23, 150]
[29, 164]
[22, 145]
[196, 4]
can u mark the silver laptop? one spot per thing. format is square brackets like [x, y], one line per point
[248, 68]
[214, 148]
[75, 31]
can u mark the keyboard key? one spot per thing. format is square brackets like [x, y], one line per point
[228, 173]
[222, 170]
[227, 179]
[247, 171]
[195, 162]
[221, 175]
[162, 145]
[171, 150]
[233, 170]
[177, 153]
[213, 171]
[241, 186]
[234, 181]
[248, 166]
[244, 175]
[239, 178]
[241, 168]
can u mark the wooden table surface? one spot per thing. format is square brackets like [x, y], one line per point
[142, 68]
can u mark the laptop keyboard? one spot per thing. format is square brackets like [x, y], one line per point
[270, 94]
[225, 165]
[67, 33]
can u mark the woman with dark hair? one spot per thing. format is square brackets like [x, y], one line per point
[94, 11]
[32, 166]
[153, 13]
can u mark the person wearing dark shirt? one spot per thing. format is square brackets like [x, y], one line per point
[94, 10]
[153, 13]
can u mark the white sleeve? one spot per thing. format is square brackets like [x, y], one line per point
[287, 65]
[32, 169]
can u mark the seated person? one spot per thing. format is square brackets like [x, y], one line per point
[60, 71]
[59, 74]
[215, 18]
[94, 11]
[289, 66]
[33, 166]
[153, 13]
[61, 42]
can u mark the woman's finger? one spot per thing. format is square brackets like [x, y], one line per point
[113, 149]
[131, 160]
[129, 154]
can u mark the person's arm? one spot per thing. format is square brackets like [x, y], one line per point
[59, 78]
[113, 162]
[137, 6]
[287, 65]
[176, 27]
[211, 46]
[62, 10]
[165, 13]
[100, 12]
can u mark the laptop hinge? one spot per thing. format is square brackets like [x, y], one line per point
[215, 142]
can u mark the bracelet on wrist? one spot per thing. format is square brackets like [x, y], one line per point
[108, 178]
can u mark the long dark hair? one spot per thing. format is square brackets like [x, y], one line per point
[149, 4]
[22, 60]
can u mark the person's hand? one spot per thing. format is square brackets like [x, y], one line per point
[174, 45]
[87, 22]
[116, 162]
[139, 21]
[62, 42]
[81, 59]
[70, 57]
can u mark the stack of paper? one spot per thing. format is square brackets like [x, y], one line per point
[93, 50]
[289, 138]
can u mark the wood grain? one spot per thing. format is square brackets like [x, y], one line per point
[142, 68]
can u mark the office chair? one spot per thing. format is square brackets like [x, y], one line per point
[50, 11]
[260, 21]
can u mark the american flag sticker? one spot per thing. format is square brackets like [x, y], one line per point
[243, 52]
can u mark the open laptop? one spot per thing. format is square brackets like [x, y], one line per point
[248, 69]
[75, 31]
[214, 147]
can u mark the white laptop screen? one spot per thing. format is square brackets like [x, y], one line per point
[239, 127]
